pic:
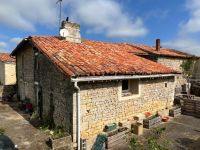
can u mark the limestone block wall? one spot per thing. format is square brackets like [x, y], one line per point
[174, 63]
[10, 73]
[101, 103]
[25, 73]
[56, 89]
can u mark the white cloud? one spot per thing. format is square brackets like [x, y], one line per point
[101, 16]
[15, 40]
[3, 44]
[186, 39]
[193, 23]
[24, 15]
[185, 44]
[108, 17]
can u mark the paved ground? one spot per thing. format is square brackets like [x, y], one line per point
[182, 132]
[19, 131]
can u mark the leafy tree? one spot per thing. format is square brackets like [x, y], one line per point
[188, 67]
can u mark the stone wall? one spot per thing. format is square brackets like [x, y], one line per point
[25, 73]
[10, 73]
[101, 103]
[175, 63]
[56, 89]
[37, 74]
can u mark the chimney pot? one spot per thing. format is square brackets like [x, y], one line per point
[157, 44]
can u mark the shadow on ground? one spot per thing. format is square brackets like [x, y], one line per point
[184, 143]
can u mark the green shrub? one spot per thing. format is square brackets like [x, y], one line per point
[2, 131]
[135, 144]
[188, 67]
[58, 132]
[154, 141]
[34, 115]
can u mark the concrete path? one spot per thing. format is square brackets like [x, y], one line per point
[19, 131]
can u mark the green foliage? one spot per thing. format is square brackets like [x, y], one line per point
[49, 127]
[2, 131]
[188, 67]
[154, 141]
[135, 144]
[34, 115]
[58, 132]
[48, 123]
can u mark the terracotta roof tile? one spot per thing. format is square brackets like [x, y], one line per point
[162, 51]
[91, 58]
[5, 57]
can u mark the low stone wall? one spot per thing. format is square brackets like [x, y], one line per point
[101, 104]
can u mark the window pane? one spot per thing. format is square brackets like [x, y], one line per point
[124, 85]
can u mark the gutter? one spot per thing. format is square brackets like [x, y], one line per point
[78, 114]
[103, 78]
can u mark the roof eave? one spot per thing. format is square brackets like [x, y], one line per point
[121, 77]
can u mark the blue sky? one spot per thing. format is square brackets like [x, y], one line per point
[175, 22]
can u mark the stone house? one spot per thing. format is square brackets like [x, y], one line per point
[7, 69]
[7, 74]
[168, 57]
[87, 84]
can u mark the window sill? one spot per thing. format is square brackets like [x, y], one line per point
[128, 97]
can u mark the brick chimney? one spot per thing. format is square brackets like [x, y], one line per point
[70, 31]
[157, 44]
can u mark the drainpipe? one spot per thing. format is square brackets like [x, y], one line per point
[78, 114]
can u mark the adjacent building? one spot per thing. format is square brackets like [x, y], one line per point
[7, 75]
[7, 69]
[168, 57]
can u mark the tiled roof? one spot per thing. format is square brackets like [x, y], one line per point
[90, 58]
[162, 51]
[115, 46]
[5, 57]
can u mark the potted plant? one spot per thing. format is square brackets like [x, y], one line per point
[59, 138]
[151, 121]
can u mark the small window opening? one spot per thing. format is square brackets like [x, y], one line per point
[130, 87]
[165, 84]
[125, 86]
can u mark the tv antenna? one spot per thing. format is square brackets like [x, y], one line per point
[60, 13]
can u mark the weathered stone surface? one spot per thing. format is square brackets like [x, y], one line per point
[64, 143]
[174, 63]
[101, 104]
[36, 73]
[7, 73]
[25, 74]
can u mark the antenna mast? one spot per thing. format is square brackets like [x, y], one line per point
[60, 14]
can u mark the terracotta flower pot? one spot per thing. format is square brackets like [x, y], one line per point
[165, 119]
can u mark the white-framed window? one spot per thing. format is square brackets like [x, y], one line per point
[129, 89]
